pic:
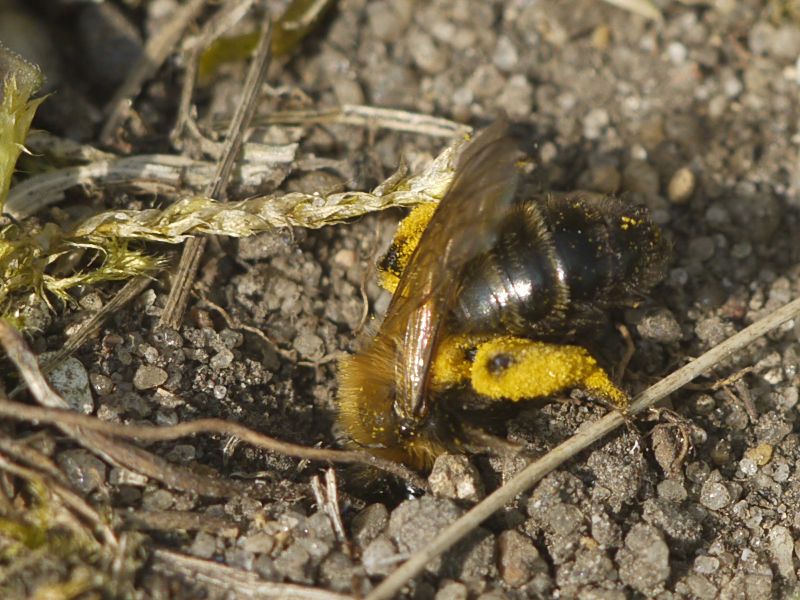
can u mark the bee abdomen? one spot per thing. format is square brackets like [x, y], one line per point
[610, 249]
[558, 255]
[518, 283]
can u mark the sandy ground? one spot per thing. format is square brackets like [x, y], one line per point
[695, 117]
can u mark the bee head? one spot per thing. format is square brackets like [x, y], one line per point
[367, 410]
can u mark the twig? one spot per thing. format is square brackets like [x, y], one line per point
[72, 423]
[328, 501]
[171, 520]
[152, 433]
[238, 583]
[371, 116]
[157, 170]
[390, 586]
[226, 16]
[193, 250]
[117, 453]
[89, 327]
[67, 496]
[332, 506]
[155, 52]
[163, 173]
[92, 325]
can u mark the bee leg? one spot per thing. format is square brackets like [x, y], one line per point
[630, 350]
[477, 440]
[513, 368]
[599, 383]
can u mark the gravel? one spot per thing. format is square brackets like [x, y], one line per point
[694, 117]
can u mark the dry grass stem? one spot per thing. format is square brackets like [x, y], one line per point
[373, 117]
[93, 433]
[226, 16]
[644, 8]
[117, 453]
[69, 498]
[193, 250]
[235, 582]
[156, 50]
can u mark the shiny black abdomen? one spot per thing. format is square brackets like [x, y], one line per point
[557, 257]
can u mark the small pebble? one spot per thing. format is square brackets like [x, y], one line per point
[158, 500]
[673, 519]
[603, 178]
[369, 523]
[721, 453]
[781, 546]
[83, 469]
[380, 557]
[101, 384]
[701, 248]
[715, 495]
[644, 560]
[672, 490]
[385, 23]
[748, 467]
[452, 590]
[601, 37]
[486, 82]
[309, 345]
[516, 98]
[760, 455]
[319, 526]
[204, 545]
[148, 377]
[453, 476]
[294, 563]
[639, 177]
[706, 565]
[222, 359]
[505, 55]
[239, 559]
[662, 327]
[265, 567]
[71, 380]
[182, 453]
[595, 123]
[786, 42]
[681, 186]
[677, 53]
[426, 54]
[345, 258]
[336, 572]
[519, 559]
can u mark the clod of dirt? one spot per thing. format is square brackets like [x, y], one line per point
[644, 560]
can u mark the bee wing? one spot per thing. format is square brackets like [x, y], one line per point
[463, 226]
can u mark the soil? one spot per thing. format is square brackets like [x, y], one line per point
[695, 117]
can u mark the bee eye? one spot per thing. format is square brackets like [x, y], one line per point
[499, 363]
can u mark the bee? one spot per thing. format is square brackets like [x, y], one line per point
[490, 293]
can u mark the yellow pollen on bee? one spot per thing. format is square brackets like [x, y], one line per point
[405, 241]
[513, 368]
[627, 222]
[453, 365]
